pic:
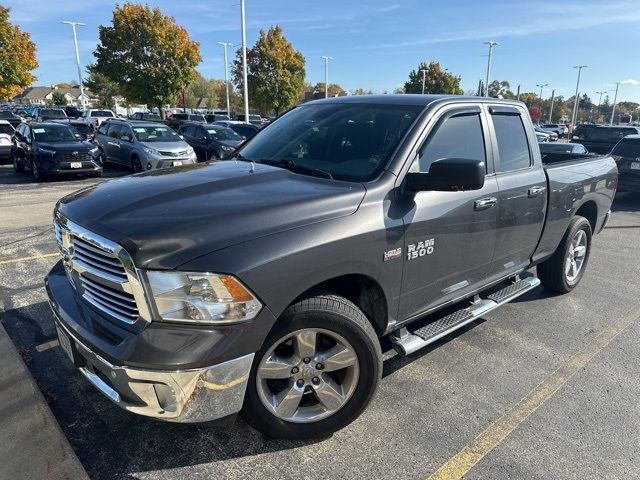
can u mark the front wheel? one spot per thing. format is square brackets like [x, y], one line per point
[17, 166]
[136, 166]
[316, 372]
[38, 175]
[564, 269]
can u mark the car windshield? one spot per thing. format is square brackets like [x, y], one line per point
[222, 133]
[628, 147]
[153, 133]
[52, 113]
[351, 142]
[6, 128]
[82, 128]
[101, 113]
[54, 134]
[6, 114]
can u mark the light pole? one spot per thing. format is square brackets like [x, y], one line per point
[553, 97]
[326, 75]
[424, 78]
[518, 94]
[226, 75]
[75, 43]
[615, 100]
[541, 87]
[491, 45]
[245, 87]
[600, 101]
[576, 101]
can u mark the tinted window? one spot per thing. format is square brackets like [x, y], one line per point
[627, 147]
[244, 130]
[114, 130]
[197, 118]
[54, 134]
[83, 128]
[179, 116]
[52, 113]
[222, 133]
[103, 128]
[349, 141]
[188, 131]
[101, 113]
[513, 148]
[6, 128]
[154, 133]
[457, 136]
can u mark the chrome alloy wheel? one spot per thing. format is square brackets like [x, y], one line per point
[576, 255]
[307, 375]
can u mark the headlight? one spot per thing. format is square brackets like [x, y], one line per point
[227, 148]
[202, 298]
[94, 151]
[190, 150]
[47, 152]
[152, 151]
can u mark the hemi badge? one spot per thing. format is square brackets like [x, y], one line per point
[393, 254]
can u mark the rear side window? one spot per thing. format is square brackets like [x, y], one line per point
[114, 130]
[629, 148]
[513, 147]
[101, 113]
[103, 128]
[456, 136]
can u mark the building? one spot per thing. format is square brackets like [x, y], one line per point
[44, 95]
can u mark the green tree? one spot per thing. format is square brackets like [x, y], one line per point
[101, 87]
[17, 57]
[503, 87]
[437, 80]
[334, 88]
[201, 88]
[146, 54]
[58, 99]
[275, 71]
[361, 91]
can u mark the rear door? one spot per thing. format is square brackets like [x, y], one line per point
[449, 236]
[112, 144]
[522, 183]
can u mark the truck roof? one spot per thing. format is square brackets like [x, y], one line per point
[408, 99]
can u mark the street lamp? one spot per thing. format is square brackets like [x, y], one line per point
[226, 74]
[615, 99]
[576, 102]
[491, 45]
[600, 101]
[75, 43]
[326, 75]
[424, 78]
[245, 87]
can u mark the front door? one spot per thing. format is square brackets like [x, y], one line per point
[449, 236]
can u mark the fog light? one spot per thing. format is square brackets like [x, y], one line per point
[148, 165]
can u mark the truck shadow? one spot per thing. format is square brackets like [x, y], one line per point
[626, 202]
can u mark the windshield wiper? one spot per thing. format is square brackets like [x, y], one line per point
[294, 167]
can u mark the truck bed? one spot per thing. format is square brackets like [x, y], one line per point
[563, 158]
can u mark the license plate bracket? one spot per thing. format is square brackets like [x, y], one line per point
[76, 164]
[177, 163]
[635, 165]
[68, 347]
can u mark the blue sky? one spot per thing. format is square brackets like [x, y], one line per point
[375, 43]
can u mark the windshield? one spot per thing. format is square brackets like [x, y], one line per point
[221, 133]
[82, 128]
[54, 134]
[352, 142]
[629, 148]
[153, 134]
[101, 113]
[6, 114]
[52, 113]
[197, 118]
[556, 148]
[6, 128]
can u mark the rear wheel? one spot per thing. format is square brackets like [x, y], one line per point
[564, 269]
[316, 372]
[17, 166]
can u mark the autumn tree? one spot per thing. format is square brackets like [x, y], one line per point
[17, 57]
[275, 71]
[102, 88]
[334, 89]
[437, 80]
[500, 88]
[361, 91]
[146, 54]
[535, 114]
[58, 99]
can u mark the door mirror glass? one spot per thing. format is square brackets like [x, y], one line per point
[448, 175]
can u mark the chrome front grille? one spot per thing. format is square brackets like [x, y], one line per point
[102, 272]
[78, 157]
[174, 154]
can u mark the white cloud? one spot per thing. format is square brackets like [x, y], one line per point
[629, 81]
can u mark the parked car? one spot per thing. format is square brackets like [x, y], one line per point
[553, 136]
[72, 111]
[562, 148]
[46, 114]
[560, 129]
[266, 283]
[51, 148]
[210, 142]
[142, 145]
[253, 119]
[86, 130]
[12, 118]
[582, 130]
[176, 120]
[602, 139]
[215, 117]
[245, 130]
[146, 116]
[6, 132]
[95, 117]
[542, 137]
[627, 155]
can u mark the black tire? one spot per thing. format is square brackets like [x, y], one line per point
[136, 166]
[211, 155]
[38, 175]
[552, 273]
[17, 165]
[338, 315]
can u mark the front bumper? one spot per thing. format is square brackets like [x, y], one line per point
[52, 167]
[154, 163]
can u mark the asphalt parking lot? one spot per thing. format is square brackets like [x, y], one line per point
[546, 387]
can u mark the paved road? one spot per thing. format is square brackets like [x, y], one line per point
[546, 387]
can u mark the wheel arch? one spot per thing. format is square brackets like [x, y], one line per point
[589, 210]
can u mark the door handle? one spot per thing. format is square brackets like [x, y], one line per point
[535, 191]
[484, 203]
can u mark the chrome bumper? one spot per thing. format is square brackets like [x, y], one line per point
[189, 396]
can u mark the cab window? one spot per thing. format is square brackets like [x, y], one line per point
[513, 147]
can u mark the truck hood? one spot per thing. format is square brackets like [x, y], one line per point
[64, 147]
[167, 217]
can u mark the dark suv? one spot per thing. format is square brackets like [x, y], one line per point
[176, 120]
[210, 141]
[627, 155]
[602, 139]
[52, 148]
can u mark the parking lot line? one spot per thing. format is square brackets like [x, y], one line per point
[24, 259]
[463, 461]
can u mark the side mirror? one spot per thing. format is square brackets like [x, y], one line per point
[448, 175]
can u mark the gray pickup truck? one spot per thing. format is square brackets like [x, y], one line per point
[265, 284]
